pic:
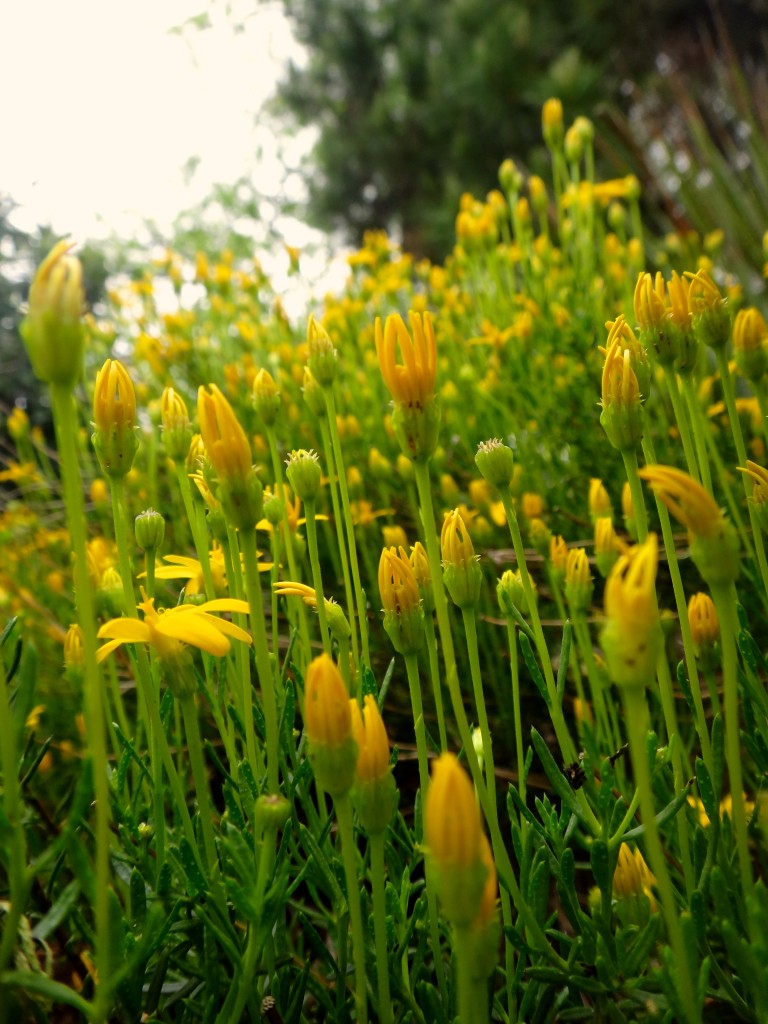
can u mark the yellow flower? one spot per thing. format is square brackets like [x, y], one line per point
[685, 498]
[558, 555]
[552, 121]
[114, 400]
[225, 441]
[702, 618]
[397, 582]
[169, 630]
[578, 580]
[649, 301]
[337, 620]
[74, 651]
[599, 499]
[52, 329]
[371, 739]
[633, 877]
[412, 382]
[326, 704]
[177, 430]
[631, 635]
[452, 823]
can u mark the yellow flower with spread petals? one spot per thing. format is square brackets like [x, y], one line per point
[412, 382]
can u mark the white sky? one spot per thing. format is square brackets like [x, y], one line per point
[102, 108]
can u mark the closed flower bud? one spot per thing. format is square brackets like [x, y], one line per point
[632, 878]
[239, 489]
[304, 474]
[607, 545]
[114, 415]
[266, 397]
[401, 601]
[495, 462]
[453, 835]
[150, 530]
[622, 415]
[313, 394]
[422, 573]
[578, 581]
[759, 497]
[52, 329]
[705, 628]
[540, 535]
[510, 178]
[322, 355]
[462, 574]
[552, 122]
[177, 430]
[631, 637]
[374, 791]
[332, 751]
[74, 651]
[709, 310]
[510, 593]
[558, 557]
[599, 500]
[750, 335]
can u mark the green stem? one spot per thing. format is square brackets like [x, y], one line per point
[473, 1003]
[380, 926]
[18, 881]
[694, 410]
[290, 551]
[346, 830]
[638, 724]
[515, 670]
[199, 538]
[243, 694]
[341, 543]
[434, 673]
[567, 748]
[263, 664]
[317, 578]
[503, 863]
[65, 419]
[200, 778]
[414, 685]
[629, 456]
[330, 405]
[470, 632]
[725, 604]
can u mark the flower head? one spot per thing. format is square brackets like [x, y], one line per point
[750, 343]
[702, 619]
[333, 751]
[631, 634]
[177, 430]
[622, 415]
[412, 382]
[453, 834]
[322, 355]
[52, 329]
[461, 571]
[334, 613]
[266, 397]
[114, 417]
[599, 500]
[225, 441]
[374, 792]
[401, 600]
[633, 877]
[172, 630]
[709, 310]
[686, 499]
[578, 580]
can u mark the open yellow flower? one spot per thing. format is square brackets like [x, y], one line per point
[686, 499]
[169, 630]
[411, 382]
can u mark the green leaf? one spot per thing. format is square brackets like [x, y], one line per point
[555, 776]
[196, 884]
[42, 985]
[706, 790]
[718, 753]
[600, 861]
[369, 684]
[65, 901]
[138, 892]
[663, 816]
[533, 668]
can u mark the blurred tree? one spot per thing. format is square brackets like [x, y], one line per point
[417, 101]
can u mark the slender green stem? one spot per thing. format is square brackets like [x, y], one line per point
[200, 778]
[584, 642]
[380, 926]
[65, 419]
[198, 536]
[470, 632]
[263, 664]
[618, 835]
[694, 411]
[362, 616]
[18, 880]
[629, 456]
[473, 1001]
[290, 551]
[434, 673]
[243, 694]
[515, 671]
[317, 578]
[725, 604]
[638, 723]
[414, 685]
[503, 863]
[741, 451]
[567, 748]
[341, 543]
[346, 830]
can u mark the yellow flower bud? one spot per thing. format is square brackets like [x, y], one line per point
[599, 500]
[462, 575]
[578, 580]
[702, 618]
[552, 122]
[322, 355]
[631, 636]
[114, 415]
[371, 738]
[327, 717]
[226, 443]
[52, 329]
[633, 877]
